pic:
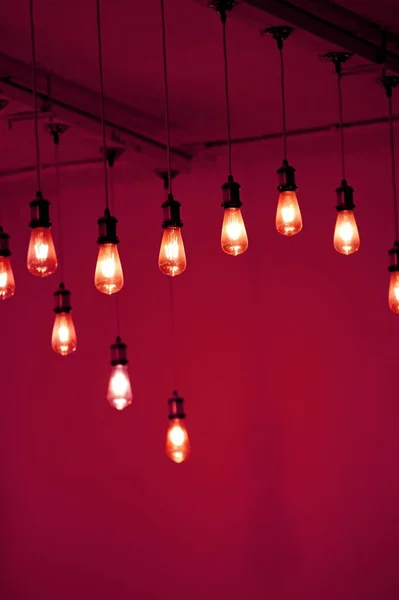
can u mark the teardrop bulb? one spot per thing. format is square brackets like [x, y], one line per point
[346, 233]
[119, 389]
[393, 295]
[63, 339]
[177, 442]
[7, 282]
[288, 215]
[172, 257]
[42, 258]
[108, 277]
[234, 239]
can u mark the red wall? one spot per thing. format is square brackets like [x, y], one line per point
[287, 360]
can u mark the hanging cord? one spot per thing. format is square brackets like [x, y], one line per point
[223, 18]
[34, 85]
[166, 86]
[57, 177]
[280, 47]
[341, 119]
[112, 204]
[173, 334]
[393, 162]
[100, 65]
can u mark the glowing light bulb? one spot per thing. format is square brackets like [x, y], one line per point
[63, 339]
[119, 388]
[108, 277]
[393, 294]
[288, 216]
[234, 239]
[177, 442]
[172, 257]
[42, 258]
[346, 234]
[7, 282]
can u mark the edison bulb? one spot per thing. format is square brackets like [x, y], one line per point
[63, 339]
[108, 278]
[119, 388]
[288, 215]
[177, 442]
[42, 258]
[393, 294]
[7, 282]
[172, 257]
[234, 238]
[346, 234]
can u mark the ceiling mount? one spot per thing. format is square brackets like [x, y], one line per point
[164, 175]
[279, 33]
[56, 130]
[338, 59]
[223, 7]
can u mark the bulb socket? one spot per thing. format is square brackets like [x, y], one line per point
[4, 243]
[107, 229]
[344, 197]
[171, 213]
[231, 193]
[118, 353]
[393, 254]
[286, 178]
[39, 212]
[62, 299]
[176, 407]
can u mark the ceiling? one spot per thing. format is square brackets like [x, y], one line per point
[67, 46]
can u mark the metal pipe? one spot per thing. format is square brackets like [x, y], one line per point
[47, 166]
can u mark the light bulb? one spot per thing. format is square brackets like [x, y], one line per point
[393, 295]
[346, 234]
[172, 257]
[119, 390]
[234, 239]
[177, 442]
[7, 283]
[42, 259]
[63, 339]
[288, 216]
[108, 278]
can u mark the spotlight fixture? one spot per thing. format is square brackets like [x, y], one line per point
[63, 339]
[172, 256]
[234, 239]
[288, 215]
[390, 82]
[7, 282]
[177, 441]
[42, 258]
[108, 277]
[346, 234]
[119, 389]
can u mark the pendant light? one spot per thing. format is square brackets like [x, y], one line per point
[42, 258]
[177, 441]
[346, 234]
[63, 338]
[234, 239]
[390, 82]
[108, 277]
[288, 215]
[7, 282]
[172, 256]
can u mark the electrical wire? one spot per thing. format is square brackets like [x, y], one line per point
[283, 107]
[60, 236]
[172, 344]
[100, 66]
[226, 88]
[112, 204]
[166, 86]
[34, 86]
[341, 122]
[393, 165]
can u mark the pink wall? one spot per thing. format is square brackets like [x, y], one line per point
[288, 365]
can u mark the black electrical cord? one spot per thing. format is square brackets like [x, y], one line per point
[341, 121]
[393, 163]
[34, 86]
[226, 87]
[283, 107]
[57, 177]
[100, 65]
[165, 77]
